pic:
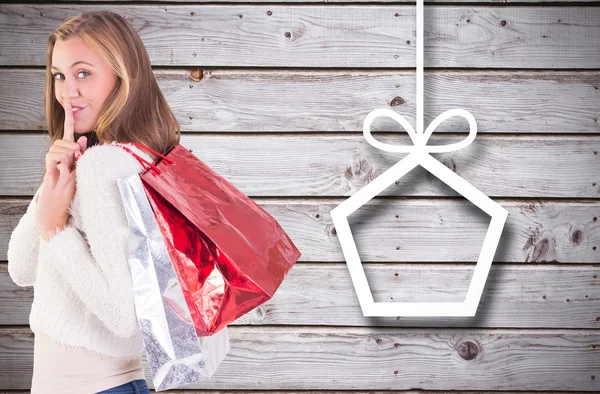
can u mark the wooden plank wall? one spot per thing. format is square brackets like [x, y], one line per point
[273, 96]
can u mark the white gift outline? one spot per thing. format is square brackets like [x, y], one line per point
[419, 155]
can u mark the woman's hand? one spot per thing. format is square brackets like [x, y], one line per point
[58, 187]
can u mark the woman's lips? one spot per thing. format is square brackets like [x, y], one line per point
[78, 113]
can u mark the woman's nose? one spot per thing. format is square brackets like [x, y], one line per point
[70, 88]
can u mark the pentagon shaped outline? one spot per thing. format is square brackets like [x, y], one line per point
[418, 156]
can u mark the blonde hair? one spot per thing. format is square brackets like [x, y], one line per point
[136, 110]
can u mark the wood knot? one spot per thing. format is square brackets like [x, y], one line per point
[450, 163]
[196, 74]
[361, 170]
[468, 350]
[576, 237]
[543, 251]
[260, 313]
[397, 101]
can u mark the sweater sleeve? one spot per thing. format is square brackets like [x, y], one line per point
[98, 269]
[23, 247]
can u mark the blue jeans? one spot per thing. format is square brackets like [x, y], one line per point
[134, 387]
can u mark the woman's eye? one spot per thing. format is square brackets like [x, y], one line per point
[80, 72]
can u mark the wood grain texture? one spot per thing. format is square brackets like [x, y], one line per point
[337, 101]
[297, 76]
[339, 165]
[317, 294]
[441, 2]
[359, 359]
[201, 391]
[420, 230]
[335, 36]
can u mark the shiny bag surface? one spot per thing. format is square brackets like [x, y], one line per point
[229, 254]
[176, 354]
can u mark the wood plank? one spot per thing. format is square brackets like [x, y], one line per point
[540, 296]
[338, 165]
[307, 36]
[449, 230]
[366, 2]
[345, 358]
[200, 391]
[314, 100]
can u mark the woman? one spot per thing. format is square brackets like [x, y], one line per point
[72, 243]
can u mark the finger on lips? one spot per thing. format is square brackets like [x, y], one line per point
[63, 151]
[69, 120]
[69, 131]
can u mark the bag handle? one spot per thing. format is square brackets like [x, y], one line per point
[143, 162]
[146, 148]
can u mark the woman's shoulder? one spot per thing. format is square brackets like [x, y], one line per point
[110, 162]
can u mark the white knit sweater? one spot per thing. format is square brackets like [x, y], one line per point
[82, 285]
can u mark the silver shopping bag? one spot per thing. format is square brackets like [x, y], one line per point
[176, 355]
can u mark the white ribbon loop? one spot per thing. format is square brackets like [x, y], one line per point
[419, 139]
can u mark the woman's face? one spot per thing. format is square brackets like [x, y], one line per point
[81, 78]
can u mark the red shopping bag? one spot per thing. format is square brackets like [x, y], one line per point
[229, 254]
